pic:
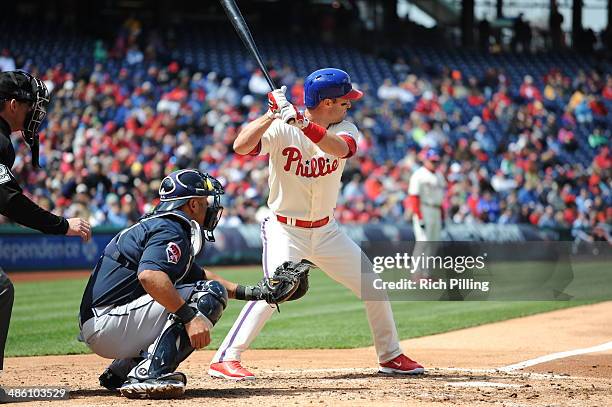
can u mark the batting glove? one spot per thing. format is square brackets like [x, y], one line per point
[276, 101]
[290, 115]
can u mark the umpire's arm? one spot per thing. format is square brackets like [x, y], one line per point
[19, 208]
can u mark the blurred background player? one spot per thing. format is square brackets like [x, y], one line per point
[426, 193]
[146, 273]
[308, 153]
[23, 106]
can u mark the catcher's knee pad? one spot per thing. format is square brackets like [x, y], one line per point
[209, 298]
[166, 353]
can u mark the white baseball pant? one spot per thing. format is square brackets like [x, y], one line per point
[431, 232]
[330, 249]
[432, 220]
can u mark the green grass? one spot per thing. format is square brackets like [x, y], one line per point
[44, 318]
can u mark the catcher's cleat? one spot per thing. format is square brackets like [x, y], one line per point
[110, 380]
[168, 386]
[231, 370]
[402, 364]
[117, 372]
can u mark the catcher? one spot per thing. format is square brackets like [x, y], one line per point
[148, 306]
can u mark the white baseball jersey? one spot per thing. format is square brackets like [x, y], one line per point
[304, 180]
[428, 186]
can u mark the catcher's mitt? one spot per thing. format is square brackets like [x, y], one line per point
[290, 280]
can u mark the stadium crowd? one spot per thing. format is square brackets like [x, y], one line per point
[110, 138]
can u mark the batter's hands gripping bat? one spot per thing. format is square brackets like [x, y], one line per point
[233, 13]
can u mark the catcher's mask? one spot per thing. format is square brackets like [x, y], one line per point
[23, 87]
[182, 185]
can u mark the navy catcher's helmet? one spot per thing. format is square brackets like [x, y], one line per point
[182, 185]
[22, 86]
[328, 83]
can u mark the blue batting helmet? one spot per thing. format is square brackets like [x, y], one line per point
[328, 83]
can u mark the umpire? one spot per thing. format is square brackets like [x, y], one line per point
[23, 106]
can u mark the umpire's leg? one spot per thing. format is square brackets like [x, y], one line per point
[6, 306]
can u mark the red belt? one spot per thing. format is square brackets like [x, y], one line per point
[304, 223]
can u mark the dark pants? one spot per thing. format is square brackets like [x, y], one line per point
[7, 294]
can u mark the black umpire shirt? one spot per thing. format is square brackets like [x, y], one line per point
[13, 203]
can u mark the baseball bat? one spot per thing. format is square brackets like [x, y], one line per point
[240, 25]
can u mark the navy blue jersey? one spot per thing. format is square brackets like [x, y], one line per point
[160, 243]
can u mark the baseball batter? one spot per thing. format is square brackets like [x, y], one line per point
[307, 154]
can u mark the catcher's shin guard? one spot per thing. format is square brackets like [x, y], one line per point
[173, 345]
[165, 354]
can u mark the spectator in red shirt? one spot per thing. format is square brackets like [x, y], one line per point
[372, 187]
[528, 90]
[427, 104]
[603, 160]
[475, 98]
[607, 90]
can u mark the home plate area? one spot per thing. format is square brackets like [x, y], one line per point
[559, 358]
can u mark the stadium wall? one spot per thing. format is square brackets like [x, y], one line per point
[22, 249]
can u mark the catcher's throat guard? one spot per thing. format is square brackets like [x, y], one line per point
[197, 239]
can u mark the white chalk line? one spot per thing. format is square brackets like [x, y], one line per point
[554, 356]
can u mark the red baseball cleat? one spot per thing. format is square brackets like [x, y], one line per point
[231, 370]
[401, 365]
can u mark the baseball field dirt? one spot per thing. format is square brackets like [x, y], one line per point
[464, 367]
